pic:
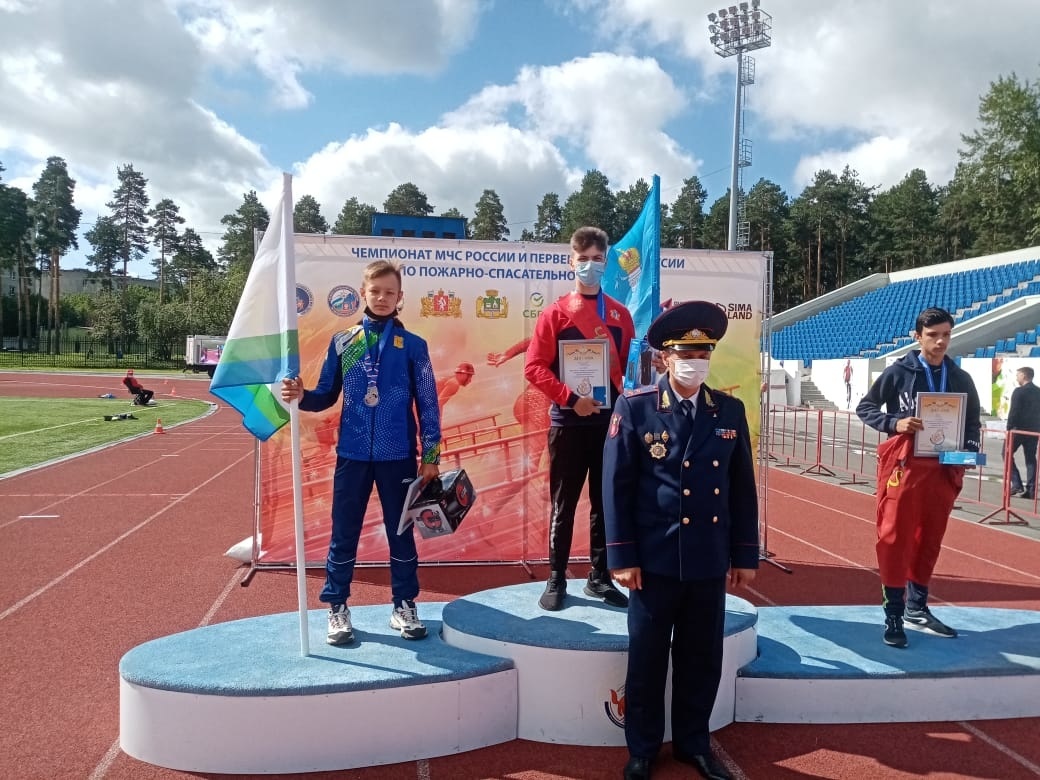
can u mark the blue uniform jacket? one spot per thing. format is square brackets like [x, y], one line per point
[386, 431]
[689, 512]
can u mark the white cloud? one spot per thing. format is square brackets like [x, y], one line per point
[386, 37]
[452, 165]
[901, 80]
[565, 104]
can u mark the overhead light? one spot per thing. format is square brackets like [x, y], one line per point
[732, 10]
[712, 17]
[712, 29]
[744, 7]
[756, 3]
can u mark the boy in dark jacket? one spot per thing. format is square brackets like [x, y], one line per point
[915, 495]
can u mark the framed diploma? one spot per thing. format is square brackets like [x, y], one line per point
[585, 368]
[943, 417]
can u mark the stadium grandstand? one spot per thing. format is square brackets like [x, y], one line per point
[995, 302]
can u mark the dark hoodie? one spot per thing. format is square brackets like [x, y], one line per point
[897, 388]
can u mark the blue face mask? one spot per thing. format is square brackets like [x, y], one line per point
[590, 272]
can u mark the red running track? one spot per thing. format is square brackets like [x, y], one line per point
[127, 545]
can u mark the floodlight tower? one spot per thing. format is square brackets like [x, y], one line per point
[739, 29]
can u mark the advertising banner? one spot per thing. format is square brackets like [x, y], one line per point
[475, 303]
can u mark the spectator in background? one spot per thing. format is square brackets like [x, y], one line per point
[1024, 415]
[142, 397]
[847, 376]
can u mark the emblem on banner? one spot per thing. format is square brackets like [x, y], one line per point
[535, 304]
[344, 301]
[615, 707]
[492, 306]
[440, 304]
[304, 300]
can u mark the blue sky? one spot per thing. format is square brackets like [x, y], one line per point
[212, 98]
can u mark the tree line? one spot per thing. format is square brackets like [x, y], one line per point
[837, 230]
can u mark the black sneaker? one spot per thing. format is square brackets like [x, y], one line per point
[604, 589]
[895, 636]
[555, 590]
[924, 620]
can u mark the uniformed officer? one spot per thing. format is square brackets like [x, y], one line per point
[681, 516]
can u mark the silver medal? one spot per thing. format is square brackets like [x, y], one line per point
[372, 396]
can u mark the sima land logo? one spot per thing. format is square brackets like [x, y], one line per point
[492, 306]
[440, 304]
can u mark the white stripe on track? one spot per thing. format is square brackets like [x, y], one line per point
[58, 580]
[1028, 574]
[1000, 747]
[113, 752]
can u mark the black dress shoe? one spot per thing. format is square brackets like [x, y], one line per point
[637, 769]
[705, 764]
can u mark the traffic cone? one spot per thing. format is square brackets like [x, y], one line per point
[158, 425]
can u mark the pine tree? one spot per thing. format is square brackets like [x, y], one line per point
[56, 221]
[489, 221]
[129, 206]
[307, 216]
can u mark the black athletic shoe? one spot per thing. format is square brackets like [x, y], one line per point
[555, 590]
[895, 636]
[604, 589]
[924, 620]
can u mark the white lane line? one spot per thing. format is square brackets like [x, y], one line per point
[58, 580]
[871, 521]
[727, 760]
[113, 751]
[37, 517]
[1001, 747]
[49, 428]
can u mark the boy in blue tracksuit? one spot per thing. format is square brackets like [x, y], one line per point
[385, 375]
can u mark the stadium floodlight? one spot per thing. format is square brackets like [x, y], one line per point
[739, 35]
[712, 17]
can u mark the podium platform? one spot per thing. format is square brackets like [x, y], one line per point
[238, 698]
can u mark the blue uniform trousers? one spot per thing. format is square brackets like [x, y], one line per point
[351, 489]
[688, 618]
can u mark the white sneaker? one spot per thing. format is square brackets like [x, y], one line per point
[341, 632]
[405, 619]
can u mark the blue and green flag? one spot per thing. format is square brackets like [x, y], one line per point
[263, 345]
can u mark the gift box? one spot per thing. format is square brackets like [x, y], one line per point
[439, 507]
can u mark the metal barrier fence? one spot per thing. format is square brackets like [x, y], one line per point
[98, 354]
[833, 443]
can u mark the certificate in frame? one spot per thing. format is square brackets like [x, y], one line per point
[585, 368]
[943, 417]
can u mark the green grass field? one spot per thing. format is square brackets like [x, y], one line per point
[36, 430]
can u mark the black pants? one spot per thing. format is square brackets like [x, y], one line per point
[1028, 445]
[576, 452]
[688, 619]
[143, 397]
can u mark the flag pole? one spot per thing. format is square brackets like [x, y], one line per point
[289, 265]
[301, 552]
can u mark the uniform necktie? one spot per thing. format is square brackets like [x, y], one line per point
[687, 408]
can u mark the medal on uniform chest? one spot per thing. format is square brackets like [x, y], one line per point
[656, 443]
[372, 396]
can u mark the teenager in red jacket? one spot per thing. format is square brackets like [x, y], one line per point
[578, 420]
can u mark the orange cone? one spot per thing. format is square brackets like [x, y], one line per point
[158, 425]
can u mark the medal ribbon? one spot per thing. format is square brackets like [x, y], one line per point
[369, 362]
[928, 375]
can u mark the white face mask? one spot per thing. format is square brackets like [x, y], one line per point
[589, 273]
[689, 373]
